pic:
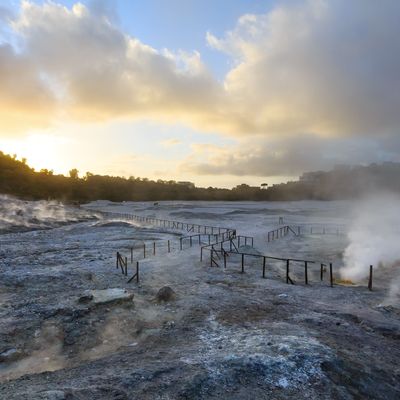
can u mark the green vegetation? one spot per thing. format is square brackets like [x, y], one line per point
[18, 179]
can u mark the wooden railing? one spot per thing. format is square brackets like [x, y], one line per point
[282, 232]
[166, 223]
[217, 238]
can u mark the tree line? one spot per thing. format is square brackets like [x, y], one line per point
[18, 179]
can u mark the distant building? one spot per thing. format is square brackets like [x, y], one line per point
[190, 185]
[312, 177]
[245, 186]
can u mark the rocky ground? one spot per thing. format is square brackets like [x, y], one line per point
[220, 334]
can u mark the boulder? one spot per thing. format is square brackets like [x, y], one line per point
[106, 296]
[165, 294]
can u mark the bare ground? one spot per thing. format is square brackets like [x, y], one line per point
[227, 335]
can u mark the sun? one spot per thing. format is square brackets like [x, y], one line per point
[40, 151]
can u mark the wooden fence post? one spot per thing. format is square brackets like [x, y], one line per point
[263, 267]
[287, 271]
[370, 278]
[322, 272]
[306, 272]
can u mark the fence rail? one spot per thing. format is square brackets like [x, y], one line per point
[320, 230]
[148, 249]
[301, 230]
[282, 232]
[232, 245]
[217, 238]
[166, 223]
[220, 252]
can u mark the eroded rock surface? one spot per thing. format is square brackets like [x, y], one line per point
[106, 296]
[226, 335]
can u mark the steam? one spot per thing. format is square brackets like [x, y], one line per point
[374, 237]
[393, 297]
[47, 355]
[18, 215]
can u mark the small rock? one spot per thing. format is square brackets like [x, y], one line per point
[169, 325]
[283, 383]
[86, 297]
[10, 355]
[165, 294]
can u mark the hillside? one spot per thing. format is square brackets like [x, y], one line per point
[18, 179]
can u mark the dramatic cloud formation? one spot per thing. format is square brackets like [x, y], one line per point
[285, 156]
[25, 100]
[327, 67]
[102, 73]
[304, 75]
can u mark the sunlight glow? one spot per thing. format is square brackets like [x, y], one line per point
[40, 150]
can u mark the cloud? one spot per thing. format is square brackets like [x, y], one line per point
[308, 77]
[327, 68]
[171, 142]
[104, 9]
[103, 73]
[25, 100]
[330, 68]
[285, 156]
[5, 14]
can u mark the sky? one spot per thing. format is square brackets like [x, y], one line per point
[217, 92]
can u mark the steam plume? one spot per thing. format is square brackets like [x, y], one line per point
[374, 236]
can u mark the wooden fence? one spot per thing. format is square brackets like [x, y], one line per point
[167, 224]
[216, 239]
